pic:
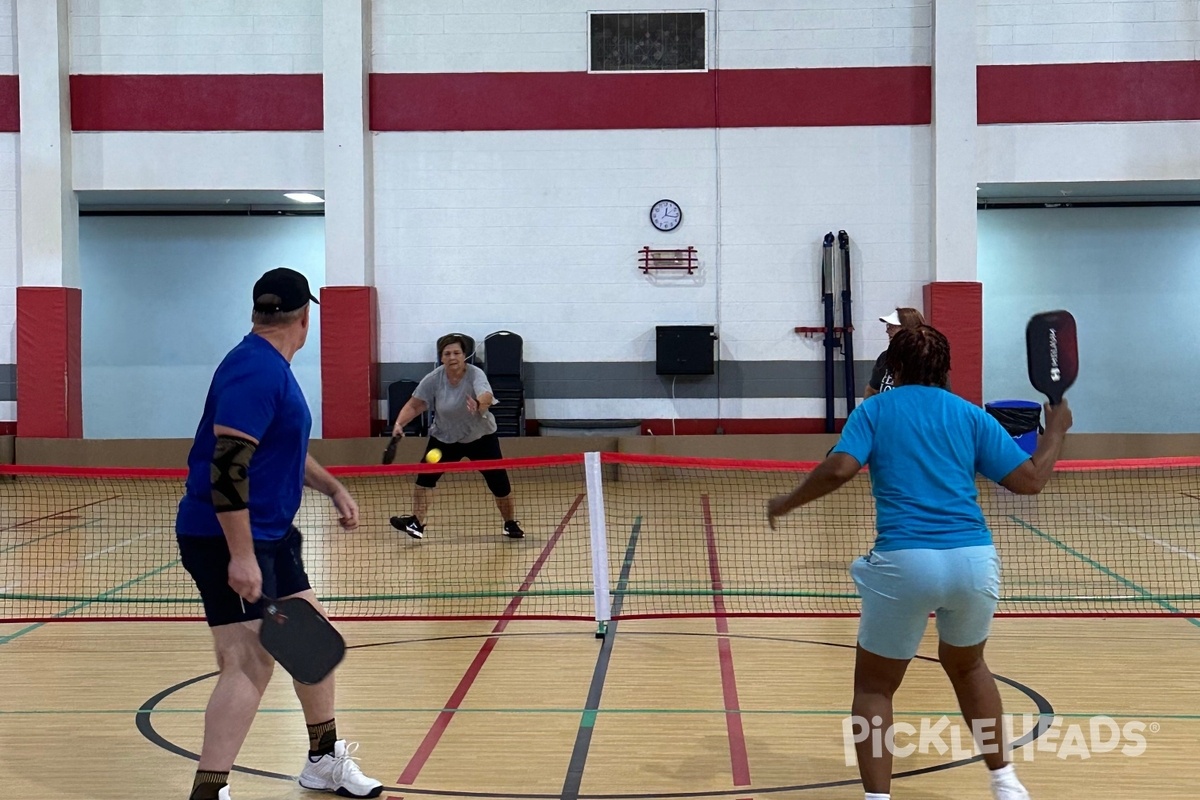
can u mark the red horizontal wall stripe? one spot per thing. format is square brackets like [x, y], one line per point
[1021, 93]
[578, 100]
[10, 104]
[794, 98]
[196, 103]
[512, 101]
[1133, 91]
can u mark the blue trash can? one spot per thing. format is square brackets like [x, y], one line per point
[1021, 418]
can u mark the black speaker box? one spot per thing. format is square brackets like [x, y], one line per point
[684, 349]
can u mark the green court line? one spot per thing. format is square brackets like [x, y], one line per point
[86, 599]
[590, 715]
[1105, 570]
[84, 604]
[29, 629]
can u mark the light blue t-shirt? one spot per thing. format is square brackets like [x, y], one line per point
[255, 392]
[924, 445]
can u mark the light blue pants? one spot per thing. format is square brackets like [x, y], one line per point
[901, 588]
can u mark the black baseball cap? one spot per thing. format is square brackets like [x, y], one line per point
[282, 289]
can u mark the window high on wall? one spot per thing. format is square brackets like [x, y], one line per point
[662, 42]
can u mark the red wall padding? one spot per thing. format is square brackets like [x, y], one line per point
[49, 374]
[349, 361]
[956, 309]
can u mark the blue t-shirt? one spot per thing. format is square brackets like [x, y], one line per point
[255, 392]
[924, 446]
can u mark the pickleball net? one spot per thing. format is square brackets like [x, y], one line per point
[608, 536]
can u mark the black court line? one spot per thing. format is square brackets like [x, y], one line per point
[587, 723]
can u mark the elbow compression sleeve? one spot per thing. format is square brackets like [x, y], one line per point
[230, 473]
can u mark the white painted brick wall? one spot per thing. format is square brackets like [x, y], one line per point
[551, 35]
[762, 34]
[117, 160]
[1068, 153]
[1069, 31]
[551, 221]
[195, 36]
[8, 38]
[782, 190]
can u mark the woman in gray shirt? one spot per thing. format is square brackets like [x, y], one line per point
[459, 395]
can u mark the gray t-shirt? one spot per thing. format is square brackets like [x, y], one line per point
[452, 422]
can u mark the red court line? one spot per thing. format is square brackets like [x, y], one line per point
[53, 471]
[1093, 464]
[1098, 614]
[746, 615]
[425, 749]
[59, 513]
[738, 757]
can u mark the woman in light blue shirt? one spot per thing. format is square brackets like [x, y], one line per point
[933, 551]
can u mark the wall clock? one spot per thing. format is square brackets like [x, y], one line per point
[666, 215]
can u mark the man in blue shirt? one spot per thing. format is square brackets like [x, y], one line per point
[247, 470]
[933, 551]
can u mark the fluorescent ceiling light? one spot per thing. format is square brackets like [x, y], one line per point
[304, 197]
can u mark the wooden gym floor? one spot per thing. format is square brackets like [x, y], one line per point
[731, 707]
[453, 709]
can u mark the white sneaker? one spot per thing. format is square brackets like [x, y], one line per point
[337, 772]
[1009, 792]
[224, 794]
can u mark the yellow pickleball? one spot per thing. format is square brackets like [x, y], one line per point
[433, 456]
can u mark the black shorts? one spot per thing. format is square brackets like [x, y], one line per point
[485, 448]
[206, 558]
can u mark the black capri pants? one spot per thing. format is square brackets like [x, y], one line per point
[485, 448]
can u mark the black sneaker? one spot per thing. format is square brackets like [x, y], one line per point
[409, 525]
[512, 530]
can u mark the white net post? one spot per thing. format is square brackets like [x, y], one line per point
[599, 541]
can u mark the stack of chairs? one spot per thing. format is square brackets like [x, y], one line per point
[398, 394]
[505, 368]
